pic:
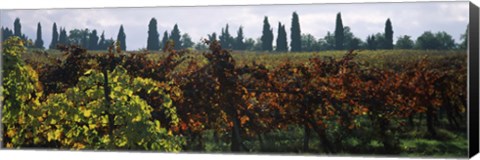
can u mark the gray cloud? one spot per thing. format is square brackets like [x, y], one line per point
[363, 18]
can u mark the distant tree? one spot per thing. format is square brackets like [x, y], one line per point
[85, 37]
[102, 44]
[267, 36]
[371, 43]
[6, 32]
[328, 42]
[101, 41]
[349, 40]
[380, 41]
[309, 43]
[339, 33]
[355, 43]
[109, 42]
[295, 34]
[446, 40]
[92, 40]
[239, 43]
[164, 39]
[53, 44]
[249, 44]
[427, 41]
[17, 28]
[226, 40]
[175, 37]
[322, 44]
[464, 39]
[200, 47]
[258, 46]
[212, 37]
[186, 41]
[153, 42]
[440, 40]
[77, 36]
[121, 37]
[282, 45]
[39, 41]
[63, 39]
[388, 35]
[404, 42]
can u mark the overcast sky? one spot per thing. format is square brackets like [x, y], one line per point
[363, 18]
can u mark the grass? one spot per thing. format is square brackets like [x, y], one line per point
[413, 143]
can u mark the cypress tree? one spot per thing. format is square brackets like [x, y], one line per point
[226, 39]
[371, 42]
[5, 32]
[175, 36]
[85, 37]
[53, 44]
[267, 36]
[102, 43]
[165, 39]
[153, 42]
[92, 41]
[17, 28]
[39, 41]
[295, 35]
[388, 35]
[339, 36]
[239, 44]
[281, 39]
[121, 38]
[62, 39]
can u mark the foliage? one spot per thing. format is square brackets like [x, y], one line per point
[80, 117]
[101, 110]
[21, 91]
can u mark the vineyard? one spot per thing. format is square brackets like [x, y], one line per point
[351, 102]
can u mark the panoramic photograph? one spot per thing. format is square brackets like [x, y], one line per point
[356, 79]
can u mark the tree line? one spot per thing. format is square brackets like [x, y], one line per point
[341, 39]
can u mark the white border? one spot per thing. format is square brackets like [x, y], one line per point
[33, 4]
[74, 155]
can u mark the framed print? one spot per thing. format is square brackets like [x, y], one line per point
[393, 79]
